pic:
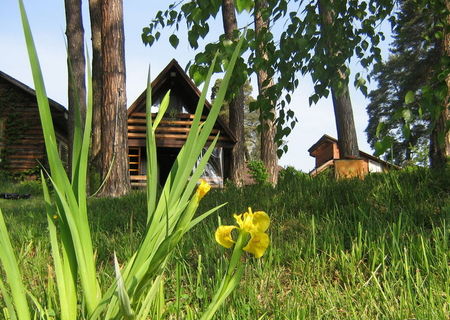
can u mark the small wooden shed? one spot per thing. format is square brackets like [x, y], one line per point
[174, 128]
[326, 152]
[22, 148]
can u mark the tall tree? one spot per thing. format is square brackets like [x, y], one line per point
[95, 14]
[268, 127]
[407, 112]
[440, 134]
[114, 140]
[402, 128]
[251, 120]
[76, 66]
[299, 49]
[388, 113]
[236, 104]
[343, 112]
[446, 111]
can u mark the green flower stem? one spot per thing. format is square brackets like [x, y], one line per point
[231, 278]
[237, 252]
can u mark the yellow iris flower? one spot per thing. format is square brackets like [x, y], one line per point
[254, 223]
[202, 189]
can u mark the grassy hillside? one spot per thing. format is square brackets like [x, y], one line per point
[373, 249]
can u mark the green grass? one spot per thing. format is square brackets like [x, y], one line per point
[373, 249]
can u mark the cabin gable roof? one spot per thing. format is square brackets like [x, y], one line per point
[173, 78]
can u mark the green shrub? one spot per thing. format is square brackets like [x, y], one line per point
[258, 171]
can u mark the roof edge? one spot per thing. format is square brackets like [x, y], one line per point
[29, 90]
[155, 83]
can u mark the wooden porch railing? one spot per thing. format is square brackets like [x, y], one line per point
[171, 131]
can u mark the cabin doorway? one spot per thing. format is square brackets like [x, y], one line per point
[166, 159]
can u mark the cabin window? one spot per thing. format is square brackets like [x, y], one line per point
[213, 173]
[177, 105]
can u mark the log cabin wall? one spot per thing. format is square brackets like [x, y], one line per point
[22, 148]
[173, 130]
[171, 135]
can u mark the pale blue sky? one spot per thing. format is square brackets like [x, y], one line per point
[47, 20]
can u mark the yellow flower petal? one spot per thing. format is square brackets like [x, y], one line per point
[258, 244]
[251, 221]
[223, 236]
[244, 221]
[239, 221]
[203, 189]
[261, 221]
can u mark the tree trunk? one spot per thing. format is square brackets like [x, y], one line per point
[440, 140]
[268, 128]
[76, 66]
[345, 124]
[114, 140]
[440, 135]
[236, 105]
[96, 31]
[343, 112]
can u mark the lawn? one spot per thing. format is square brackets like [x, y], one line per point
[351, 249]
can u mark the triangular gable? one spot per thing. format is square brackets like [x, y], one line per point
[173, 78]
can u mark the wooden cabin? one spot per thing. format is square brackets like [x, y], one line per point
[174, 128]
[22, 148]
[326, 153]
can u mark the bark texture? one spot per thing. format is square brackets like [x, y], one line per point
[440, 135]
[76, 66]
[96, 31]
[268, 128]
[236, 105]
[114, 141]
[345, 124]
[343, 111]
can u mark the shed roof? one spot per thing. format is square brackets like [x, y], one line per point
[326, 139]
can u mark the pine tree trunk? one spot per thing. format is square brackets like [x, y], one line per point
[268, 128]
[236, 105]
[440, 140]
[440, 135]
[343, 112]
[114, 140]
[76, 66]
[345, 124]
[96, 31]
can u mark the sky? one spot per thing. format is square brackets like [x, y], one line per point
[47, 20]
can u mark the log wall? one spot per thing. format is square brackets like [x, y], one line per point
[171, 132]
[22, 147]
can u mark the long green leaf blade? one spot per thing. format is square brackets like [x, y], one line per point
[65, 281]
[124, 299]
[12, 271]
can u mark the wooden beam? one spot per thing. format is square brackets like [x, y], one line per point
[180, 115]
